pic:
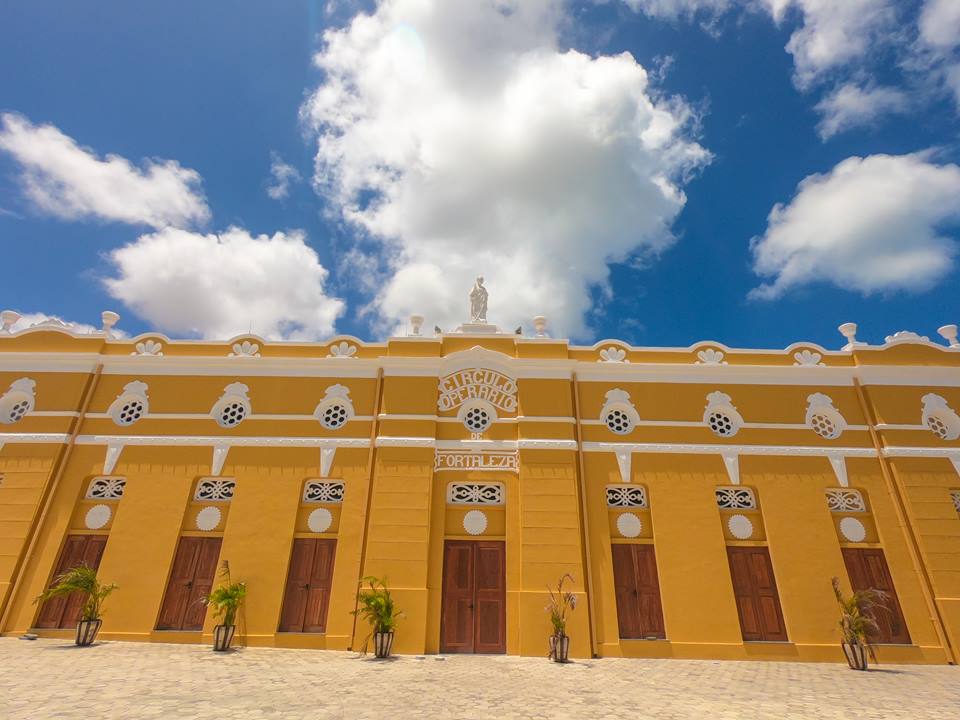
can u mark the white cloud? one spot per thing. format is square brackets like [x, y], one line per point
[63, 179]
[850, 106]
[32, 319]
[871, 224]
[940, 23]
[219, 286]
[282, 176]
[679, 8]
[833, 33]
[459, 136]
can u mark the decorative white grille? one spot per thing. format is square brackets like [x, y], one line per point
[626, 496]
[475, 493]
[106, 488]
[736, 498]
[323, 492]
[618, 412]
[477, 417]
[17, 401]
[336, 408]
[955, 494]
[215, 489]
[721, 416]
[844, 500]
[233, 406]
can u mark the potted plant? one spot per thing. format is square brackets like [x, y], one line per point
[82, 579]
[561, 602]
[858, 622]
[226, 601]
[376, 606]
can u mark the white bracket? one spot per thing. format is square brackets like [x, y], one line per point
[219, 458]
[624, 458]
[326, 460]
[113, 454]
[732, 461]
[839, 464]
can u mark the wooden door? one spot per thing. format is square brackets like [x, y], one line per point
[473, 616]
[191, 579]
[307, 594]
[755, 588]
[867, 568]
[637, 591]
[64, 612]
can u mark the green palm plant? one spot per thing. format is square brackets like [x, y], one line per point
[561, 602]
[80, 579]
[228, 597]
[376, 605]
[858, 615]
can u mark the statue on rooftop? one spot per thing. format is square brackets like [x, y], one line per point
[478, 302]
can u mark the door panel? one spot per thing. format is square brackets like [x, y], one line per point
[63, 612]
[191, 578]
[298, 585]
[867, 568]
[490, 602]
[473, 615]
[755, 590]
[637, 591]
[321, 581]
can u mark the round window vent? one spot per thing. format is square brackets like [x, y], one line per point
[17, 401]
[477, 419]
[938, 427]
[824, 426]
[130, 412]
[18, 411]
[334, 416]
[232, 414]
[618, 421]
[721, 424]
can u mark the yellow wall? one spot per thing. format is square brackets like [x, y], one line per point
[395, 516]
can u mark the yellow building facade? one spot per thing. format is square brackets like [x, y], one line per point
[700, 498]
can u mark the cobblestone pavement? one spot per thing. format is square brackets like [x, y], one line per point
[53, 679]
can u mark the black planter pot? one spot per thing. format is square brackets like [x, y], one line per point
[856, 655]
[382, 644]
[560, 648]
[223, 637]
[87, 631]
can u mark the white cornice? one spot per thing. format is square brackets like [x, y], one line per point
[242, 367]
[193, 441]
[34, 438]
[49, 362]
[714, 374]
[704, 449]
[917, 376]
[946, 452]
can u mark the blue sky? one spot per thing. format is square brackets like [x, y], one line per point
[621, 196]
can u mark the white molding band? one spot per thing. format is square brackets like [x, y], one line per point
[34, 438]
[680, 448]
[429, 442]
[172, 440]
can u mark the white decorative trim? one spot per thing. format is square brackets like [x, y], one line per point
[233, 406]
[905, 336]
[18, 401]
[808, 358]
[710, 356]
[477, 415]
[629, 525]
[634, 496]
[940, 418]
[106, 488]
[823, 418]
[467, 460]
[316, 491]
[215, 490]
[326, 460]
[342, 350]
[624, 461]
[704, 449]
[613, 354]
[208, 519]
[839, 465]
[148, 348]
[468, 493]
[475, 522]
[845, 500]
[721, 416]
[740, 526]
[245, 349]
[196, 440]
[852, 529]
[97, 517]
[618, 412]
[735, 498]
[219, 458]
[477, 383]
[336, 408]
[130, 405]
[320, 520]
[113, 454]
[732, 463]
[38, 438]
